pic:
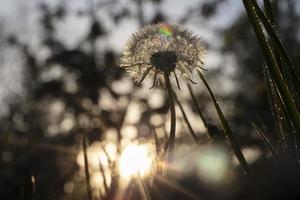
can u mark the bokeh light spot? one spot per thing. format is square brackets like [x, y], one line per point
[136, 160]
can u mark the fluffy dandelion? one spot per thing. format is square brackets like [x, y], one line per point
[159, 52]
[160, 49]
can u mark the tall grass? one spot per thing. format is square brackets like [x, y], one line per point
[281, 79]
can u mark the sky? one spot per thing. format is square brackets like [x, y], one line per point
[22, 16]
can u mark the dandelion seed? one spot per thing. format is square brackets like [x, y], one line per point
[161, 49]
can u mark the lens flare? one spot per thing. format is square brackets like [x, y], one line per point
[165, 30]
[136, 160]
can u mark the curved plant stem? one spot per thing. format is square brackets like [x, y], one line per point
[173, 117]
[186, 118]
[86, 168]
[228, 133]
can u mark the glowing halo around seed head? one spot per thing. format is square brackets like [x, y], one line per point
[136, 159]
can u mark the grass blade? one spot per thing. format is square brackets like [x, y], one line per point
[272, 65]
[269, 12]
[277, 43]
[281, 119]
[267, 141]
[276, 111]
[228, 133]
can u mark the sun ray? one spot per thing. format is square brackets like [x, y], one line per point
[176, 187]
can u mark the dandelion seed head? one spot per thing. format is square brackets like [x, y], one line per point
[164, 60]
[162, 48]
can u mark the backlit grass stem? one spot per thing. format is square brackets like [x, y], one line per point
[278, 45]
[228, 133]
[272, 64]
[267, 141]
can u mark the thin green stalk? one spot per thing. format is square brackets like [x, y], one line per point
[273, 67]
[86, 168]
[267, 141]
[277, 44]
[271, 19]
[185, 118]
[171, 143]
[197, 106]
[213, 135]
[228, 133]
[281, 118]
[275, 109]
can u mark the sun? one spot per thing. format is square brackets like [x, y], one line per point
[136, 159]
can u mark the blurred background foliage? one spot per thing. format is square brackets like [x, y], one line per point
[62, 90]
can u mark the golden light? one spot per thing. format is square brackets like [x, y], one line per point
[136, 159]
[98, 153]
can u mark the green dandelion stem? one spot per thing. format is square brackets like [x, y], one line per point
[173, 117]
